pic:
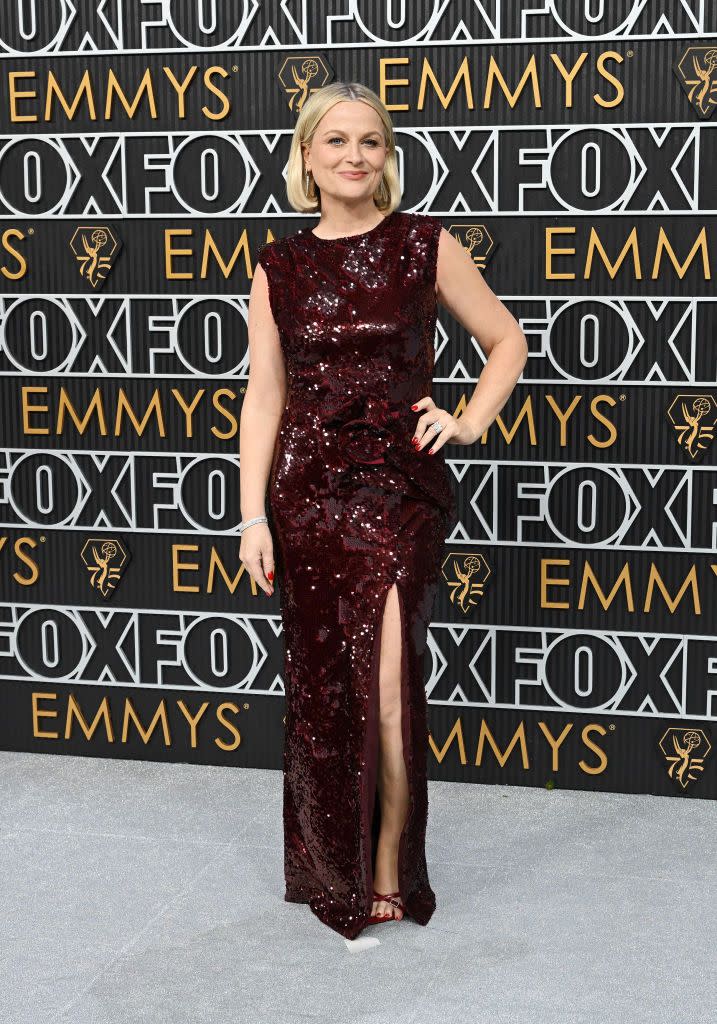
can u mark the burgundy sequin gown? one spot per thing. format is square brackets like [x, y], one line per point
[354, 508]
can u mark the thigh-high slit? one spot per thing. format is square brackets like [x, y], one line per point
[336, 877]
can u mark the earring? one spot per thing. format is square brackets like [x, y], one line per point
[307, 183]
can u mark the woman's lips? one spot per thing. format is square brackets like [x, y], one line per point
[353, 174]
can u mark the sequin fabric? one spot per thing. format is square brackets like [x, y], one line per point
[353, 509]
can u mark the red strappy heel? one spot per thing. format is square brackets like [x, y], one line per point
[394, 898]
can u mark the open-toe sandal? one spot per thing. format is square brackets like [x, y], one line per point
[394, 898]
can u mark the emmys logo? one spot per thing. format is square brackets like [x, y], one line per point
[678, 746]
[476, 240]
[105, 560]
[95, 249]
[693, 417]
[296, 75]
[465, 576]
[697, 72]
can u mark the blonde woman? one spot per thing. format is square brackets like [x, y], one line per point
[338, 421]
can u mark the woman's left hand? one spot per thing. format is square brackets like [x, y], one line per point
[454, 430]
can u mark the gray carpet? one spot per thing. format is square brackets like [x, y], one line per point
[135, 891]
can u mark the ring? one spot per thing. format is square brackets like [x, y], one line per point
[437, 426]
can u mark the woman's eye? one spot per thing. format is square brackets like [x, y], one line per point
[373, 142]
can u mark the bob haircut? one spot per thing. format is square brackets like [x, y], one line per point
[387, 196]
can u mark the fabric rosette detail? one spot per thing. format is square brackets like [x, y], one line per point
[365, 429]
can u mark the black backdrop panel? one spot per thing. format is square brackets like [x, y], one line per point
[571, 148]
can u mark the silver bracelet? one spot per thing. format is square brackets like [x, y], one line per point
[250, 522]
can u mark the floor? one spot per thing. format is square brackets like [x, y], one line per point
[135, 891]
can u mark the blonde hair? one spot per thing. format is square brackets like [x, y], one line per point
[387, 196]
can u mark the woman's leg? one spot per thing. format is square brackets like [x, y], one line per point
[392, 782]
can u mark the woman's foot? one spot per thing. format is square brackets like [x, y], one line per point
[387, 905]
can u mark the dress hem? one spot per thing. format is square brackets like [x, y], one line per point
[419, 917]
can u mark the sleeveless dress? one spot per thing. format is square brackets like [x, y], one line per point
[353, 508]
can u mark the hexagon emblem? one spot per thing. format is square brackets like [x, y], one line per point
[693, 418]
[477, 240]
[301, 75]
[680, 747]
[696, 71]
[95, 247]
[105, 559]
[466, 576]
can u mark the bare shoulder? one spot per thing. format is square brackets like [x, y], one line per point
[450, 249]
[456, 267]
[461, 288]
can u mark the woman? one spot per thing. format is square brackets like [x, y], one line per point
[338, 420]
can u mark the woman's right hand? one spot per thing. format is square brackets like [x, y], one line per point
[256, 552]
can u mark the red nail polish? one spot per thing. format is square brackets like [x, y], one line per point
[414, 406]
[270, 575]
[431, 451]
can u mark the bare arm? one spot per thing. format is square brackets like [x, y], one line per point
[264, 400]
[464, 292]
[262, 409]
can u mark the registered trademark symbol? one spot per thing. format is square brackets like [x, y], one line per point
[235, 67]
[31, 231]
[611, 726]
[631, 53]
[42, 540]
[246, 707]
[622, 397]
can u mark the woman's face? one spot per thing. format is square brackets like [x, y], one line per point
[347, 152]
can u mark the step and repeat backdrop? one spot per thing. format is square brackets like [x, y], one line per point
[572, 148]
